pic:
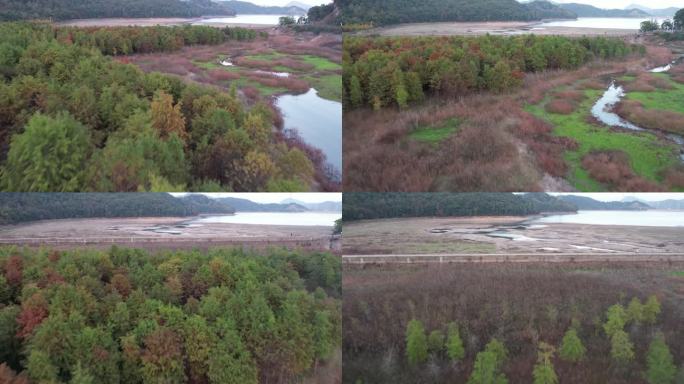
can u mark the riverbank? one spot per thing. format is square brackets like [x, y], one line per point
[162, 21]
[505, 28]
[504, 235]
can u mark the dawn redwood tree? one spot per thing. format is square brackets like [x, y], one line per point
[651, 310]
[616, 318]
[488, 363]
[572, 349]
[167, 118]
[622, 349]
[454, 344]
[49, 156]
[230, 362]
[436, 342]
[661, 367]
[543, 372]
[416, 343]
[355, 92]
[635, 311]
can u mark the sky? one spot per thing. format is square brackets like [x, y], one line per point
[620, 196]
[654, 4]
[285, 2]
[266, 198]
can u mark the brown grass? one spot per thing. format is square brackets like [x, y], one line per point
[613, 168]
[634, 111]
[561, 106]
[674, 177]
[646, 82]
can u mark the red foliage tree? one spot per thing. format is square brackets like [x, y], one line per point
[33, 312]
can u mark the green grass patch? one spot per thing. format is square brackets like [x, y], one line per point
[661, 99]
[648, 155]
[435, 133]
[328, 86]
[320, 63]
[678, 274]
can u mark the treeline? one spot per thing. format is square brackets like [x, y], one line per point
[126, 316]
[368, 205]
[396, 71]
[20, 207]
[74, 120]
[78, 9]
[130, 40]
[409, 11]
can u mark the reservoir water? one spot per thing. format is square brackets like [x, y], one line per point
[317, 120]
[652, 218]
[602, 22]
[242, 19]
[276, 218]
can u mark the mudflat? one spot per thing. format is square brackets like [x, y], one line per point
[492, 28]
[505, 235]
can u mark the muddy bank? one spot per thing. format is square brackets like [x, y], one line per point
[492, 28]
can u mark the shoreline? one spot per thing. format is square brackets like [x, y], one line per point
[154, 21]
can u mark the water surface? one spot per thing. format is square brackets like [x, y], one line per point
[317, 120]
[652, 218]
[603, 22]
[602, 110]
[242, 19]
[276, 218]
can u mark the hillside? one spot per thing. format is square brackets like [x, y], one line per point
[360, 206]
[664, 12]
[78, 9]
[410, 11]
[542, 9]
[244, 205]
[244, 7]
[586, 203]
[326, 206]
[584, 10]
[20, 207]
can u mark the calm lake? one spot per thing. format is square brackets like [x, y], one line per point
[318, 121]
[652, 218]
[276, 218]
[242, 19]
[602, 22]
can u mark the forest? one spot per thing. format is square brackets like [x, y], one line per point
[399, 71]
[369, 205]
[73, 119]
[408, 11]
[21, 207]
[127, 316]
[77, 9]
[509, 323]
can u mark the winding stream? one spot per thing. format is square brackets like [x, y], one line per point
[603, 111]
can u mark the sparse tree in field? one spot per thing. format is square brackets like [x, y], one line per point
[488, 364]
[543, 372]
[661, 368]
[572, 349]
[667, 25]
[166, 117]
[649, 26]
[286, 21]
[678, 19]
[454, 344]
[635, 311]
[436, 341]
[651, 310]
[416, 343]
[622, 349]
[616, 318]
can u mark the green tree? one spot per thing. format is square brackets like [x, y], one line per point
[355, 92]
[649, 26]
[40, 368]
[651, 310]
[167, 118]
[616, 318]
[454, 344]
[635, 311]
[486, 369]
[543, 372]
[622, 349]
[81, 375]
[661, 367]
[416, 343]
[230, 362]
[49, 156]
[572, 348]
[678, 19]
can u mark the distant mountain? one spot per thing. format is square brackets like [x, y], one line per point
[585, 10]
[298, 4]
[80, 9]
[542, 9]
[20, 207]
[665, 12]
[586, 203]
[543, 202]
[326, 206]
[667, 204]
[247, 8]
[244, 205]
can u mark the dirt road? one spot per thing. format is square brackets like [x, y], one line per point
[578, 257]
